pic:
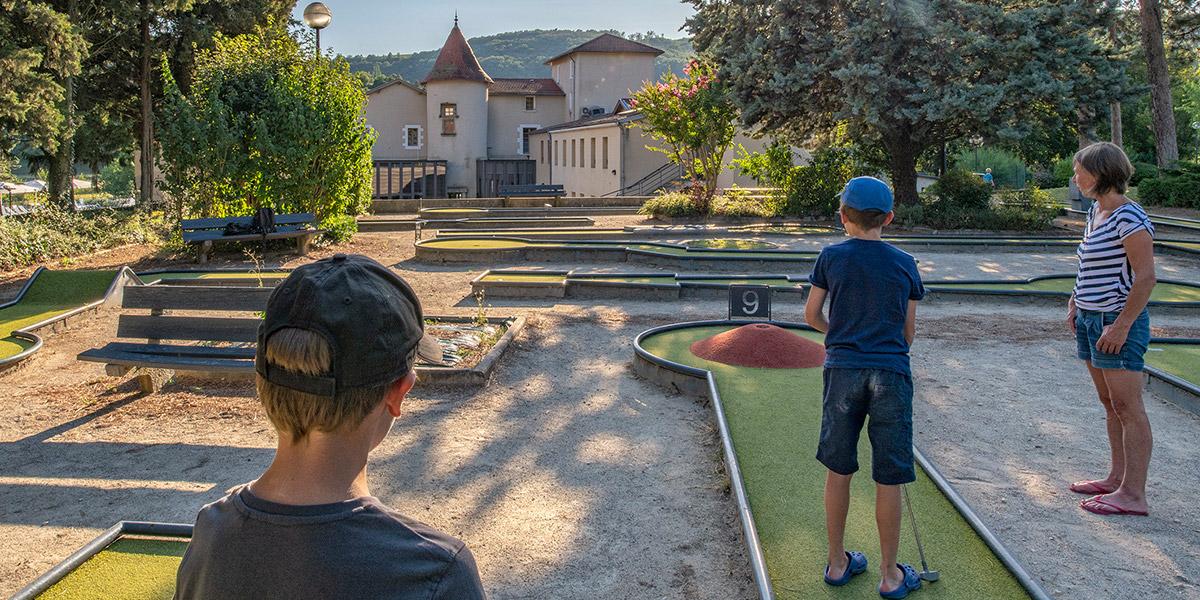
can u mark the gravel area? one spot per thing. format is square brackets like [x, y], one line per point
[565, 465]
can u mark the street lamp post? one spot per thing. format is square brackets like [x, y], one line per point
[317, 16]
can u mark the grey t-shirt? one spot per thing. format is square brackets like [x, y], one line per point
[247, 547]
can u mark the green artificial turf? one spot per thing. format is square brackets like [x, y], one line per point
[1163, 292]
[52, 293]
[726, 244]
[510, 244]
[774, 418]
[454, 210]
[664, 279]
[530, 233]
[523, 277]
[1180, 360]
[130, 568]
[192, 275]
[475, 244]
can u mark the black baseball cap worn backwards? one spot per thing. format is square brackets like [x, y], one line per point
[368, 315]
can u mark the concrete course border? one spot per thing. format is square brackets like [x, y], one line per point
[414, 205]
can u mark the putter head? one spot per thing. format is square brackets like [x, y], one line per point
[928, 575]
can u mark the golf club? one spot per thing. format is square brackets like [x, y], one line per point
[925, 574]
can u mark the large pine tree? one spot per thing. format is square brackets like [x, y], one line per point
[911, 74]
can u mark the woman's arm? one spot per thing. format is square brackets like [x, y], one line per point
[814, 313]
[1139, 247]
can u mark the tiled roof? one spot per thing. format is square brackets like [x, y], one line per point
[526, 87]
[456, 61]
[398, 81]
[607, 42]
[619, 118]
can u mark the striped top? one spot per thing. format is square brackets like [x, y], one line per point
[1105, 277]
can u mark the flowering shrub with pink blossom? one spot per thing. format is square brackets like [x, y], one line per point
[694, 117]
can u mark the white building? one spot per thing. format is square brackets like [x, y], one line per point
[462, 133]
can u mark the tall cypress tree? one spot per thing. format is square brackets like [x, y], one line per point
[911, 74]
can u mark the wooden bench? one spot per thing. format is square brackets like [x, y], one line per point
[155, 361]
[534, 190]
[207, 231]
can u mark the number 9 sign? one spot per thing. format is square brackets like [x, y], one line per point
[750, 302]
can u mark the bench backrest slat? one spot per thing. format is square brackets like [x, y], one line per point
[200, 297]
[214, 329]
[220, 222]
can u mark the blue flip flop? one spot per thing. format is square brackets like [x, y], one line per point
[911, 583]
[858, 564]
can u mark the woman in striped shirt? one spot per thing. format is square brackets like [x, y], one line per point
[1107, 313]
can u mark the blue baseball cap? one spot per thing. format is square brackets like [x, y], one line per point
[867, 193]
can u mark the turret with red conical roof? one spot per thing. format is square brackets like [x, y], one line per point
[456, 60]
[456, 105]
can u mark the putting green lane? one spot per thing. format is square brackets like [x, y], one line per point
[1180, 360]
[1163, 292]
[132, 567]
[193, 275]
[51, 294]
[774, 418]
[511, 244]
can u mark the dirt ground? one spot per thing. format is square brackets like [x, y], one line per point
[569, 477]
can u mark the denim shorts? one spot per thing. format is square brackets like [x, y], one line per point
[852, 395]
[1090, 324]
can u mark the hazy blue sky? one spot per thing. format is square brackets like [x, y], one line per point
[382, 26]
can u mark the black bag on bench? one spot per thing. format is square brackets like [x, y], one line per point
[262, 223]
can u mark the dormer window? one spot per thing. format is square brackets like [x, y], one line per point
[530, 103]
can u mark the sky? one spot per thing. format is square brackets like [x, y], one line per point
[383, 26]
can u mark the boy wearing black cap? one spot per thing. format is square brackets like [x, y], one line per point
[873, 289]
[334, 361]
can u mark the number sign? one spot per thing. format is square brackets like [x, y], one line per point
[750, 302]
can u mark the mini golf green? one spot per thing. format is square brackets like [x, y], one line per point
[534, 277]
[774, 418]
[1163, 292]
[1180, 360]
[129, 568]
[51, 294]
[727, 244]
[698, 253]
[193, 275]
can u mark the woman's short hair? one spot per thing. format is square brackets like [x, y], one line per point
[1108, 164]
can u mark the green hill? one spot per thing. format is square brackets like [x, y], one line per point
[513, 54]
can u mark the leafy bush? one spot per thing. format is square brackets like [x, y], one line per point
[802, 191]
[1064, 169]
[1008, 170]
[52, 233]
[1143, 170]
[339, 228]
[734, 203]
[670, 204]
[1029, 209]
[1179, 187]
[116, 179]
[960, 188]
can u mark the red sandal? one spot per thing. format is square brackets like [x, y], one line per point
[1091, 488]
[1104, 508]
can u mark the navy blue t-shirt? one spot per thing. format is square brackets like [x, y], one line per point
[869, 284]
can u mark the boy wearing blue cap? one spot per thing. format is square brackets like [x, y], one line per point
[873, 289]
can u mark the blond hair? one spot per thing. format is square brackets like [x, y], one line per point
[297, 413]
[1108, 164]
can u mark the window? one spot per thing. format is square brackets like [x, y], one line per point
[555, 153]
[542, 152]
[412, 137]
[605, 144]
[564, 153]
[530, 103]
[449, 113]
[582, 154]
[523, 137]
[573, 153]
[593, 152]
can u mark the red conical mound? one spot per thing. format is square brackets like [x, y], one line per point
[761, 346]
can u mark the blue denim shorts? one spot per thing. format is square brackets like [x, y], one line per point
[852, 395]
[1090, 324]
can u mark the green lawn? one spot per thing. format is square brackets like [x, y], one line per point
[774, 418]
[52, 293]
[130, 568]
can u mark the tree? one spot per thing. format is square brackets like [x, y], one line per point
[266, 125]
[1166, 143]
[694, 117]
[39, 50]
[911, 75]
